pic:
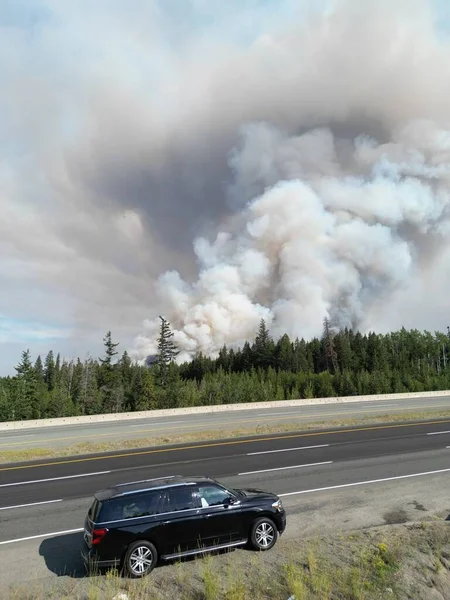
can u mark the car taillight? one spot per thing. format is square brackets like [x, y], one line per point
[98, 535]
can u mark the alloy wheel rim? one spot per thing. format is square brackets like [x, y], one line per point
[141, 560]
[264, 534]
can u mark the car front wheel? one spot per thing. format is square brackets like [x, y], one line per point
[264, 534]
[140, 558]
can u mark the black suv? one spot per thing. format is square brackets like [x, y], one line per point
[132, 525]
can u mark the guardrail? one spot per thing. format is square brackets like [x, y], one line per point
[149, 414]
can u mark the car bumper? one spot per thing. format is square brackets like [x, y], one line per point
[282, 522]
[91, 560]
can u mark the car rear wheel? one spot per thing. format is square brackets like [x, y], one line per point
[141, 558]
[264, 534]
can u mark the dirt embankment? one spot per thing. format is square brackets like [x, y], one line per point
[401, 562]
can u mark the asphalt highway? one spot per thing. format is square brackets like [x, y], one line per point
[39, 499]
[69, 435]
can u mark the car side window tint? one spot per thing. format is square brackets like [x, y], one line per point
[212, 495]
[180, 498]
[139, 505]
[152, 502]
[112, 510]
[94, 510]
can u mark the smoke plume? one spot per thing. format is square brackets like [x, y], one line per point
[328, 178]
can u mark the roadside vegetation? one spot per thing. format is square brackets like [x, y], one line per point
[294, 424]
[340, 363]
[398, 562]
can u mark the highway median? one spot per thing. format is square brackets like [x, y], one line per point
[294, 425]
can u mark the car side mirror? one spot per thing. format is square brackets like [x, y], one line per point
[228, 501]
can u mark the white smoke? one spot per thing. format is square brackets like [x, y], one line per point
[325, 223]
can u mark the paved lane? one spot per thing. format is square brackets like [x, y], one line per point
[291, 464]
[329, 481]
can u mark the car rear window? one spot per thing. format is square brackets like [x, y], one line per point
[94, 510]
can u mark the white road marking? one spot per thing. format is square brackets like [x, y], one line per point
[32, 504]
[157, 423]
[288, 449]
[386, 405]
[42, 535]
[53, 479]
[328, 462]
[437, 432]
[19, 436]
[285, 412]
[345, 485]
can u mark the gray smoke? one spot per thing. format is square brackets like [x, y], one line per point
[318, 177]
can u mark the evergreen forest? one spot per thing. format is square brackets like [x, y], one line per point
[339, 363]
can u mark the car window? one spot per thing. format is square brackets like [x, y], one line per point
[212, 495]
[129, 507]
[180, 498]
[94, 509]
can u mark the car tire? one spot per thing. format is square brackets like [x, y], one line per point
[263, 534]
[140, 559]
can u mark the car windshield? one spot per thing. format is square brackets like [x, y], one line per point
[237, 493]
[233, 491]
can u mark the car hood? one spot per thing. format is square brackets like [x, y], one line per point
[253, 494]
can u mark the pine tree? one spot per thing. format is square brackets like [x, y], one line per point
[284, 354]
[57, 369]
[77, 379]
[26, 400]
[343, 350]
[223, 360]
[60, 403]
[143, 393]
[263, 347]
[89, 400]
[5, 402]
[41, 395]
[50, 371]
[329, 347]
[110, 351]
[39, 369]
[25, 367]
[125, 368]
[245, 358]
[316, 355]
[301, 361]
[167, 350]
[110, 384]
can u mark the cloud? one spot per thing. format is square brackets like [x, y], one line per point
[130, 139]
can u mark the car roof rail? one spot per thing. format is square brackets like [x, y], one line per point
[146, 480]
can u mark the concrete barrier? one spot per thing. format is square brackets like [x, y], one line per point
[149, 414]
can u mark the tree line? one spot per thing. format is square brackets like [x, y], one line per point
[339, 363]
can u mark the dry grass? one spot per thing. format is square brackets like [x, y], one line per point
[8, 456]
[399, 562]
